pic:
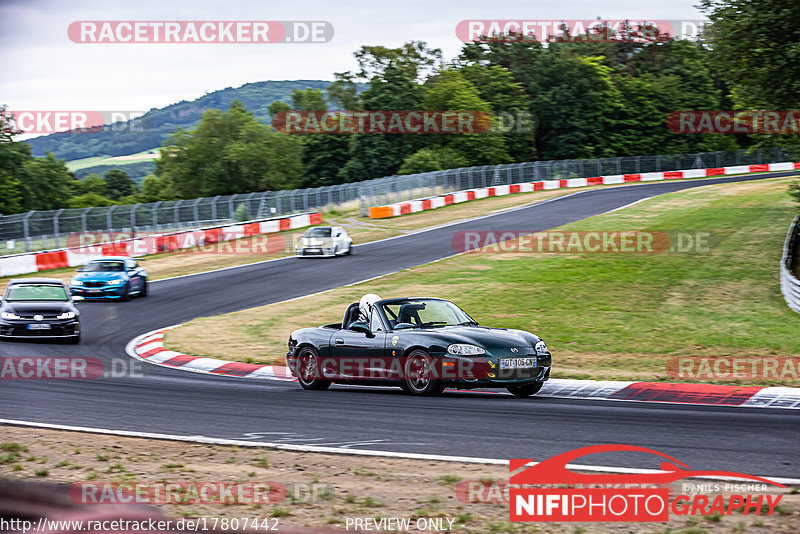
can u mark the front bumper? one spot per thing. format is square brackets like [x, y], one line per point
[102, 292]
[324, 252]
[18, 328]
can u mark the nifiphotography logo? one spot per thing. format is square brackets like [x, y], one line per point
[551, 491]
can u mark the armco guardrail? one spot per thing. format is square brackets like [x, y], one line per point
[790, 285]
[75, 256]
[422, 204]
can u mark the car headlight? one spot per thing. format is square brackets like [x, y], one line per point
[465, 349]
[541, 349]
[75, 282]
[115, 282]
[66, 315]
[9, 315]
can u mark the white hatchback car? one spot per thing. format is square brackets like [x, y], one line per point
[324, 241]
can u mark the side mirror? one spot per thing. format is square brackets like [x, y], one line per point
[360, 326]
[79, 270]
[77, 298]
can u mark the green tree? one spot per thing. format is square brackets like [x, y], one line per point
[230, 152]
[510, 106]
[12, 155]
[89, 200]
[432, 159]
[451, 91]
[92, 183]
[155, 188]
[754, 46]
[46, 183]
[376, 155]
[309, 100]
[119, 184]
[343, 92]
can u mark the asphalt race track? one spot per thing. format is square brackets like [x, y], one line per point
[753, 440]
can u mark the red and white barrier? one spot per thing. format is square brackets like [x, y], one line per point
[414, 206]
[150, 348]
[76, 256]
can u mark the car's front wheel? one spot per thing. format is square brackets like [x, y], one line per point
[420, 377]
[308, 370]
[74, 340]
[144, 289]
[527, 390]
[125, 297]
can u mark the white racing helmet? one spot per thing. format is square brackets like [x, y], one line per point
[366, 302]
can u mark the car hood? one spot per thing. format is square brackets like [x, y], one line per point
[482, 336]
[315, 241]
[27, 308]
[100, 276]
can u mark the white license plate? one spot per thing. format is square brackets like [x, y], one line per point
[94, 290]
[312, 250]
[517, 363]
[38, 327]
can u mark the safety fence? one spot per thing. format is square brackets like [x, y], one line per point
[790, 264]
[41, 230]
[423, 204]
[151, 244]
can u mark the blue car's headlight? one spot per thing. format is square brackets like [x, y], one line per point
[76, 282]
[541, 349]
[115, 282]
[465, 349]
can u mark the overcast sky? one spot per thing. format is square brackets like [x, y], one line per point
[43, 70]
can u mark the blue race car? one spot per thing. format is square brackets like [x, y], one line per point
[110, 278]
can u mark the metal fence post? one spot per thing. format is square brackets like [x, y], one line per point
[214, 207]
[155, 214]
[109, 222]
[83, 218]
[55, 226]
[196, 211]
[133, 218]
[26, 231]
[175, 208]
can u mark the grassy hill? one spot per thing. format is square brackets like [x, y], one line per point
[157, 124]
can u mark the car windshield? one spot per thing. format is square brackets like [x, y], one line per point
[318, 232]
[104, 267]
[38, 292]
[424, 313]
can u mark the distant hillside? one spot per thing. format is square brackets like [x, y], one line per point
[159, 123]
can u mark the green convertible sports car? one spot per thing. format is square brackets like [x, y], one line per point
[419, 344]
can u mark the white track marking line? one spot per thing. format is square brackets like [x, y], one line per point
[352, 452]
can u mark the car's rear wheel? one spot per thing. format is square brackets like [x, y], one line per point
[527, 390]
[308, 370]
[419, 377]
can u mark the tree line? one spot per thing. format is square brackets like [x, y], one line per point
[590, 99]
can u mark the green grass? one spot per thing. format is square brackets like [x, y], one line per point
[606, 315]
[78, 164]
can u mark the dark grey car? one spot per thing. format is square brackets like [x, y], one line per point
[39, 308]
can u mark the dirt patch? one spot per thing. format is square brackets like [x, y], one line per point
[322, 489]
